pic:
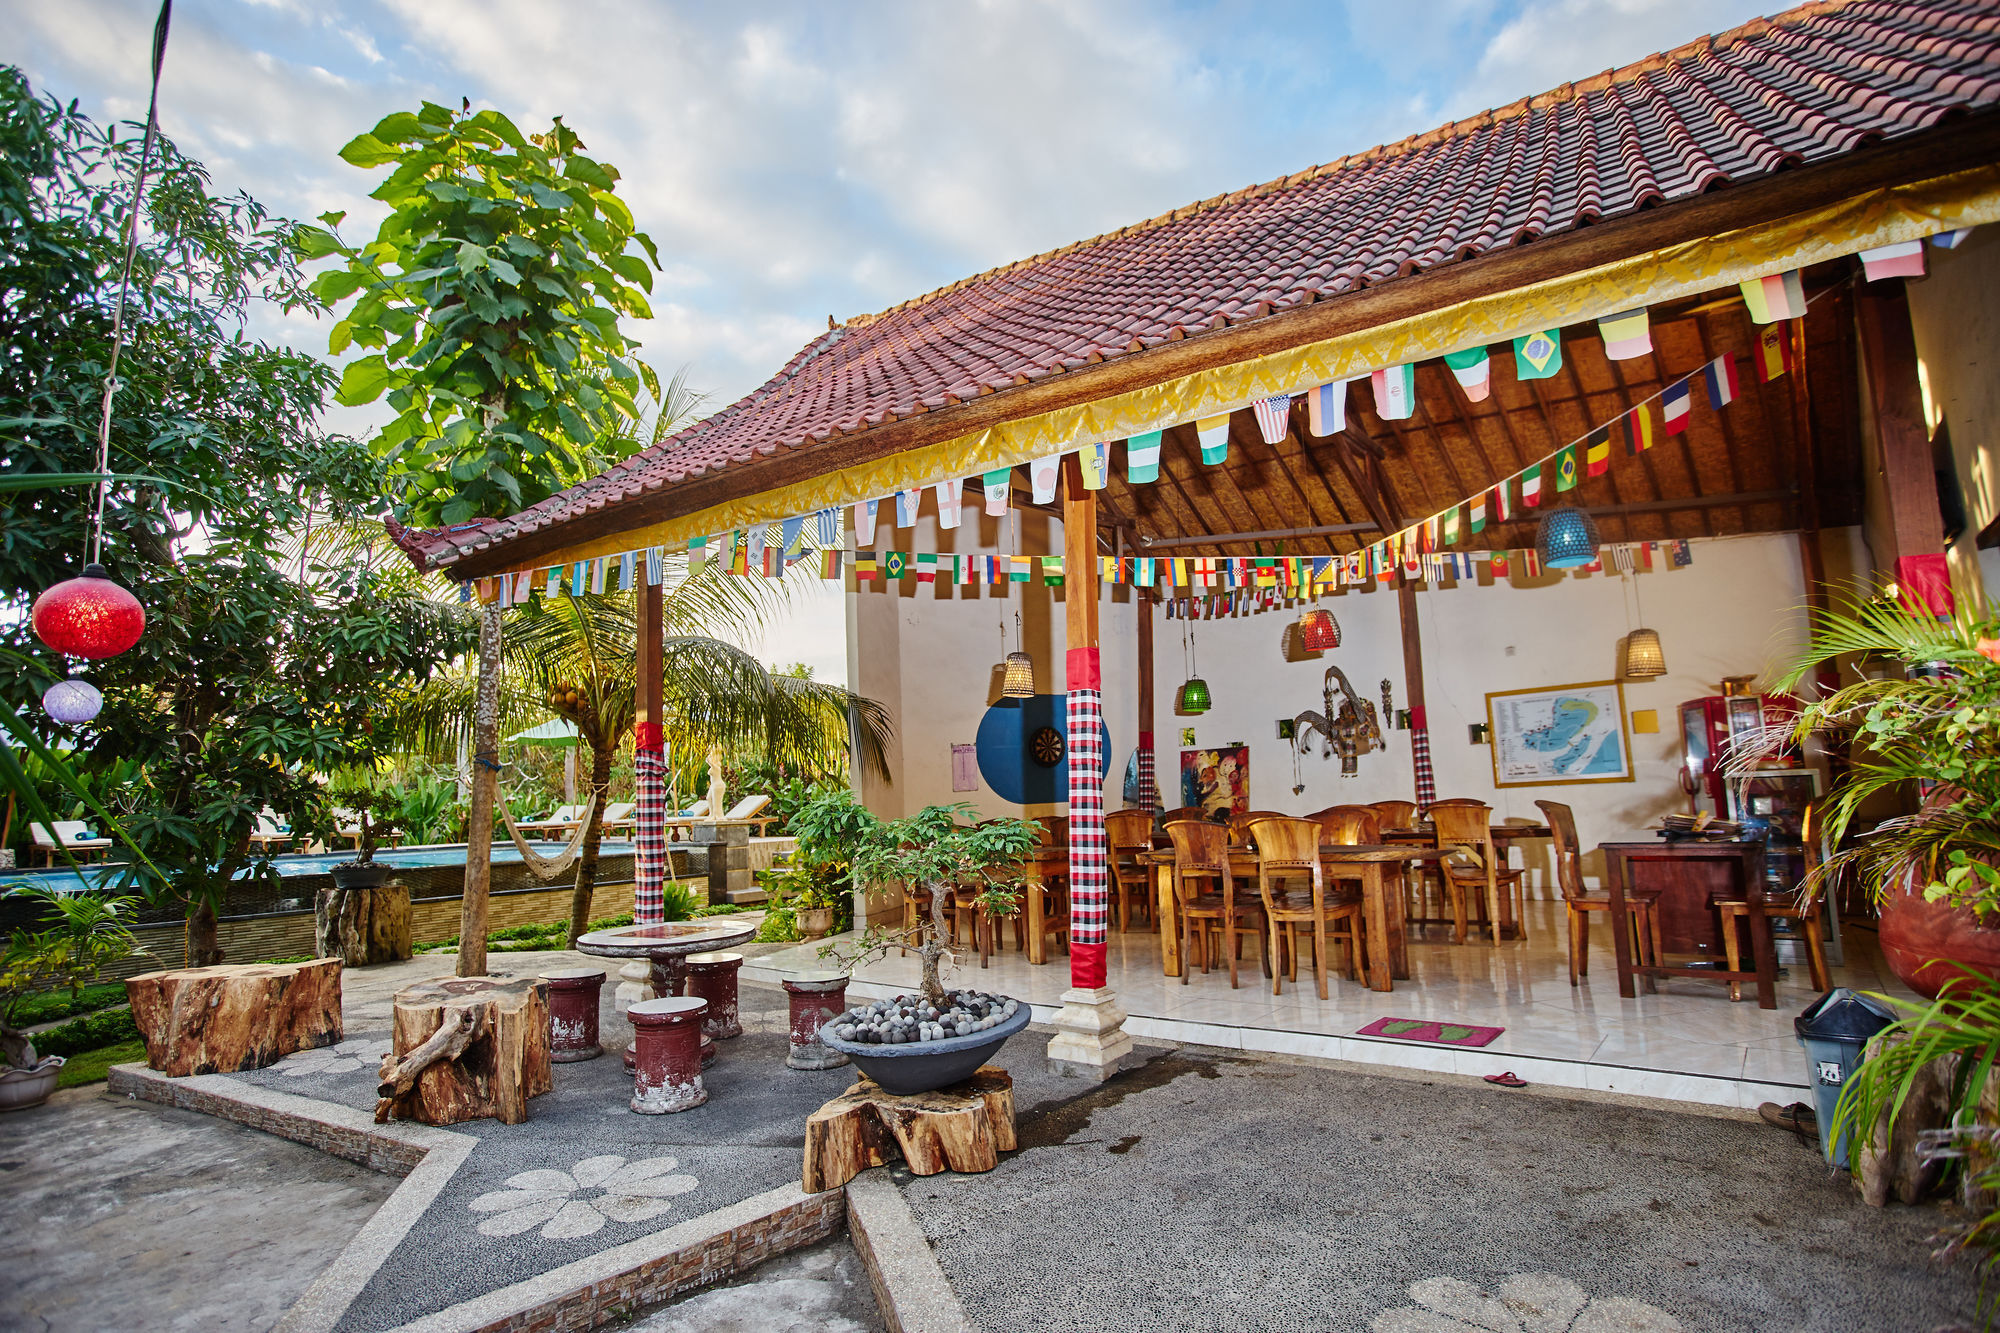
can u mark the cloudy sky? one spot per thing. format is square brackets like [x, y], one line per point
[796, 160]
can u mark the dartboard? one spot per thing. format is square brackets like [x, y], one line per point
[1045, 747]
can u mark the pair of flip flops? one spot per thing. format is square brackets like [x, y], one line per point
[1507, 1080]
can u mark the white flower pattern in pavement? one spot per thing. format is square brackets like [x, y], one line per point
[340, 1058]
[552, 1200]
[1525, 1303]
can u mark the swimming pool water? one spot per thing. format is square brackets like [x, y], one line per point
[68, 881]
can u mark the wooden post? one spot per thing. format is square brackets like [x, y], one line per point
[485, 788]
[1090, 1039]
[1909, 480]
[1149, 767]
[649, 756]
[1413, 690]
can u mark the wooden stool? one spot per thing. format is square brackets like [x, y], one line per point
[963, 1127]
[815, 997]
[573, 1000]
[712, 976]
[467, 1048]
[667, 1036]
[235, 1016]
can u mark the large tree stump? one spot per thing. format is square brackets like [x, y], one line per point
[963, 1127]
[467, 1048]
[234, 1016]
[363, 926]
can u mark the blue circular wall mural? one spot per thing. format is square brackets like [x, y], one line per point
[1015, 748]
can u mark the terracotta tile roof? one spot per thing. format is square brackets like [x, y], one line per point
[1810, 84]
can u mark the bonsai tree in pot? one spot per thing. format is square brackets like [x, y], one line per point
[1925, 729]
[85, 934]
[931, 854]
[377, 812]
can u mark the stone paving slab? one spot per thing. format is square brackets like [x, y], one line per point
[1206, 1191]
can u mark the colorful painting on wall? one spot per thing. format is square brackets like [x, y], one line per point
[1217, 780]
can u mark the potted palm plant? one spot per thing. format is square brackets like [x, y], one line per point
[913, 1044]
[1925, 725]
[86, 933]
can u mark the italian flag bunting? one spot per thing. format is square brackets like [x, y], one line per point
[1473, 369]
[1531, 486]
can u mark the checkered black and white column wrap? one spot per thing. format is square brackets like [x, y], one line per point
[1420, 760]
[649, 774]
[1149, 787]
[1089, 866]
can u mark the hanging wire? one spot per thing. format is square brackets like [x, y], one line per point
[94, 547]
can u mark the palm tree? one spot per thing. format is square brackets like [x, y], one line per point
[577, 657]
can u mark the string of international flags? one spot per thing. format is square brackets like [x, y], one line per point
[1417, 551]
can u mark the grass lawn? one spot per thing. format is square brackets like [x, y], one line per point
[91, 1066]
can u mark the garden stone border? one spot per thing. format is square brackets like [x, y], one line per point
[912, 1293]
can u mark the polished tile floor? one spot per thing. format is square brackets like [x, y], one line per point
[1688, 1042]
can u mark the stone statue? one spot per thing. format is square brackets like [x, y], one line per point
[717, 804]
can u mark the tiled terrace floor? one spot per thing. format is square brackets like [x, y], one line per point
[1688, 1042]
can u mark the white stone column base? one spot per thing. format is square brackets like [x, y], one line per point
[635, 983]
[1090, 1041]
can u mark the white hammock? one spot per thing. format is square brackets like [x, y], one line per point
[546, 868]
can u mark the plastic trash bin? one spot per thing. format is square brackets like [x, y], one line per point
[1833, 1029]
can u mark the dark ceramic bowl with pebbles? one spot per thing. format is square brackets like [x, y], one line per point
[909, 1045]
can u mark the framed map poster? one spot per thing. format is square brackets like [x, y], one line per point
[1559, 734]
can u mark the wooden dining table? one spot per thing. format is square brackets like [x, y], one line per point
[1387, 950]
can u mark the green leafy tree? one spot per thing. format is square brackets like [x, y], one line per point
[487, 309]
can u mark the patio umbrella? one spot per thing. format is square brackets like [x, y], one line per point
[554, 732]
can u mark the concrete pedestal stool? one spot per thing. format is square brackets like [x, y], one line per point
[679, 982]
[573, 999]
[712, 976]
[667, 1036]
[816, 997]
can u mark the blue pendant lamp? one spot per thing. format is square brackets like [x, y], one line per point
[1566, 539]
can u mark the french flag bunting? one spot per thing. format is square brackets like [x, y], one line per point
[1904, 259]
[864, 521]
[998, 483]
[1213, 432]
[1674, 406]
[1473, 369]
[1326, 408]
[1142, 457]
[949, 494]
[907, 503]
[1042, 474]
[1951, 240]
[1274, 416]
[1720, 377]
[1395, 392]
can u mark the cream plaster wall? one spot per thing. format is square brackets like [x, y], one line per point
[1955, 313]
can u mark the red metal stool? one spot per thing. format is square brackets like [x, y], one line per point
[667, 1036]
[712, 976]
[573, 1001]
[816, 997]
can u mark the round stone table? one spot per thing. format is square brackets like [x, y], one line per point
[665, 945]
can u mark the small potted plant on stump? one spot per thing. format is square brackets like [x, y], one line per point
[376, 813]
[362, 918]
[915, 1043]
[86, 934]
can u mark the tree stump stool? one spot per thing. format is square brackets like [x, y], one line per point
[815, 997]
[573, 1001]
[467, 1048]
[962, 1127]
[667, 1037]
[712, 976]
[363, 926]
[235, 1016]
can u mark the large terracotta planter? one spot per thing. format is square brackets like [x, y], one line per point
[1923, 940]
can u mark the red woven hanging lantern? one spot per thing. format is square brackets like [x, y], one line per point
[89, 616]
[1319, 631]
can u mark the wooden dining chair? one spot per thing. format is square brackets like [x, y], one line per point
[1201, 860]
[1475, 867]
[1578, 904]
[1805, 910]
[1182, 812]
[1349, 825]
[1128, 835]
[1287, 852]
[1395, 814]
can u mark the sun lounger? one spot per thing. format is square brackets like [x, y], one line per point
[619, 816]
[562, 823]
[74, 835]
